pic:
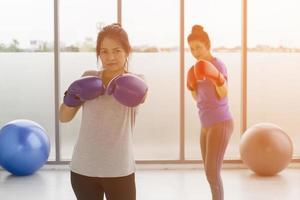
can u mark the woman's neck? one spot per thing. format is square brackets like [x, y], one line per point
[209, 57]
[112, 73]
[107, 75]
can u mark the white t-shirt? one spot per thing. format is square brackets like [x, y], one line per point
[105, 143]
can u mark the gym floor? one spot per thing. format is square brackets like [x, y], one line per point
[51, 183]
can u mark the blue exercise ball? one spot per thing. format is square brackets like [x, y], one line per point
[24, 147]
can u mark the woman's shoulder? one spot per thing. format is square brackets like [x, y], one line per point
[218, 62]
[91, 73]
[220, 65]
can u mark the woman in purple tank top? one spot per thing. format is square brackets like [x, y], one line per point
[207, 80]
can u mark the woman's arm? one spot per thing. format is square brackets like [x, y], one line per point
[221, 86]
[222, 90]
[67, 113]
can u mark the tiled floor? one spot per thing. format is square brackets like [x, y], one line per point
[180, 184]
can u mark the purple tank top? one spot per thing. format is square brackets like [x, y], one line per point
[212, 109]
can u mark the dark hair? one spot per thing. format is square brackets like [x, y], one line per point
[199, 34]
[115, 32]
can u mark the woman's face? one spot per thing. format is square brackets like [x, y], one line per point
[112, 55]
[198, 49]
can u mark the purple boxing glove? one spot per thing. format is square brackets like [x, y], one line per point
[128, 89]
[83, 89]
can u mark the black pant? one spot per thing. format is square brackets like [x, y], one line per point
[94, 188]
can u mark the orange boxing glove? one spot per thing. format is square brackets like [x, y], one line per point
[206, 69]
[191, 79]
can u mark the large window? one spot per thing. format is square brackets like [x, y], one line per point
[27, 78]
[27, 75]
[223, 28]
[273, 65]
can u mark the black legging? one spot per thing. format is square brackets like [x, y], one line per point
[94, 188]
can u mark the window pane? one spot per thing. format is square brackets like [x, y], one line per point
[80, 22]
[224, 29]
[155, 38]
[273, 65]
[27, 75]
